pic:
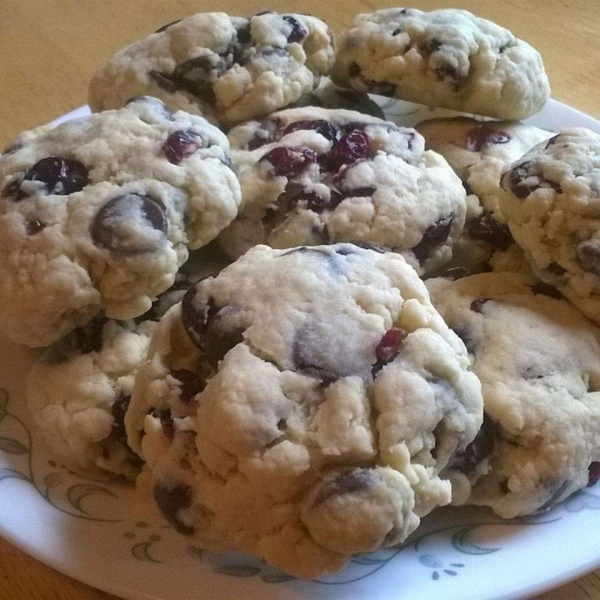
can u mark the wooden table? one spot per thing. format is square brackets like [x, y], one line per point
[50, 48]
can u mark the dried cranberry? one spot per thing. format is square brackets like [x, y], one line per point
[588, 253]
[546, 290]
[35, 226]
[130, 224]
[170, 500]
[60, 176]
[526, 178]
[299, 32]
[478, 303]
[478, 450]
[179, 145]
[483, 135]
[594, 474]
[289, 161]
[486, 229]
[434, 236]
[388, 348]
[118, 410]
[191, 384]
[196, 320]
[350, 148]
[328, 130]
[347, 482]
[165, 27]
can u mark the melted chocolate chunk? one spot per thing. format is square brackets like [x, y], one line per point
[118, 410]
[299, 32]
[89, 338]
[486, 229]
[484, 135]
[546, 290]
[170, 500]
[222, 334]
[347, 482]
[35, 226]
[265, 134]
[525, 179]
[477, 451]
[59, 176]
[555, 269]
[196, 320]
[436, 235]
[165, 82]
[130, 224]
[196, 75]
[190, 384]
[588, 253]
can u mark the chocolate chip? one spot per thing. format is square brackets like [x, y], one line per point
[196, 320]
[477, 304]
[328, 130]
[436, 235]
[170, 500]
[299, 32]
[484, 135]
[243, 34]
[594, 474]
[588, 253]
[180, 145]
[196, 74]
[35, 226]
[477, 451]
[222, 334]
[347, 482]
[388, 348]
[130, 224]
[526, 178]
[118, 410]
[165, 82]
[59, 176]
[546, 290]
[190, 384]
[486, 229]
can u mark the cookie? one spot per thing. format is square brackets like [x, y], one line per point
[79, 389]
[444, 58]
[311, 176]
[552, 206]
[300, 406]
[538, 361]
[98, 214]
[479, 152]
[227, 69]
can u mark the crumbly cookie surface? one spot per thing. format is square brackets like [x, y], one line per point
[551, 201]
[79, 389]
[227, 69]
[538, 362]
[445, 58]
[479, 151]
[98, 214]
[301, 404]
[311, 176]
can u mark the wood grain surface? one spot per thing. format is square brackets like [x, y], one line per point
[50, 48]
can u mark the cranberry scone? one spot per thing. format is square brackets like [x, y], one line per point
[97, 214]
[227, 69]
[538, 360]
[444, 58]
[314, 176]
[300, 406]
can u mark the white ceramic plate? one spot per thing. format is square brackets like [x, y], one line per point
[100, 533]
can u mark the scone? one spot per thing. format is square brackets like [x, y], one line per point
[98, 214]
[538, 361]
[78, 390]
[444, 58]
[479, 152]
[227, 69]
[300, 406]
[552, 206]
[311, 176]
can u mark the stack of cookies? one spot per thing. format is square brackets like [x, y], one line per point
[301, 326]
